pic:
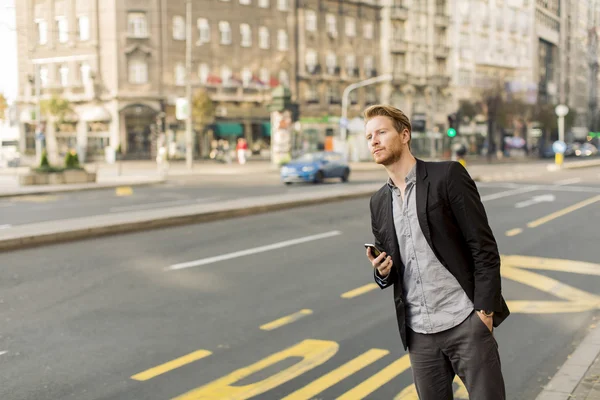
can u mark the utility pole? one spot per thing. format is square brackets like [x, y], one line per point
[189, 140]
[38, 115]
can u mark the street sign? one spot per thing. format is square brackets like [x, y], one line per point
[559, 147]
[39, 136]
[181, 108]
[344, 122]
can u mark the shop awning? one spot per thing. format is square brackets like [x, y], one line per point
[95, 114]
[229, 129]
[266, 129]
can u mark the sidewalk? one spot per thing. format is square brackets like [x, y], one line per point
[136, 173]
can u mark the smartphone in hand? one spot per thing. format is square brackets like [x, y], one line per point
[375, 252]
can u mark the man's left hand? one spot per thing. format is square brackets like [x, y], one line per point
[488, 321]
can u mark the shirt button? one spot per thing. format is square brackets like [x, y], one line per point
[418, 282]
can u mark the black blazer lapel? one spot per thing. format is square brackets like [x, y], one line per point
[422, 195]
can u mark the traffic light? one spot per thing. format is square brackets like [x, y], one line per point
[452, 125]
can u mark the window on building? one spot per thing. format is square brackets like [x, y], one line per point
[331, 62]
[246, 77]
[62, 27]
[83, 25]
[283, 5]
[178, 27]
[312, 93]
[203, 31]
[368, 30]
[368, 64]
[311, 20]
[264, 3]
[225, 30]
[246, 34]
[332, 95]
[226, 75]
[350, 27]
[311, 60]
[64, 75]
[284, 78]
[399, 63]
[42, 29]
[180, 74]
[43, 76]
[263, 37]
[84, 73]
[264, 76]
[331, 23]
[245, 2]
[282, 40]
[137, 25]
[350, 64]
[203, 72]
[138, 71]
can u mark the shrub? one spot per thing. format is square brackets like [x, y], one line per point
[72, 160]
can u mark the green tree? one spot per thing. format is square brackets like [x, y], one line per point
[203, 113]
[56, 108]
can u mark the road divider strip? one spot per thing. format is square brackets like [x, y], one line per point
[3, 352]
[278, 323]
[255, 250]
[359, 291]
[171, 365]
[514, 232]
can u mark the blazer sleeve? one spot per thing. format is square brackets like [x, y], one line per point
[472, 220]
[392, 277]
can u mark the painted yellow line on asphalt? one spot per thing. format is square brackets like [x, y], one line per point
[171, 365]
[124, 191]
[278, 323]
[514, 232]
[560, 213]
[338, 374]
[410, 392]
[358, 291]
[552, 264]
[311, 353]
[379, 379]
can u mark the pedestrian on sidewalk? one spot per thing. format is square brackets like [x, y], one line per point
[441, 258]
[241, 148]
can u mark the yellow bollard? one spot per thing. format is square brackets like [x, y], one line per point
[558, 159]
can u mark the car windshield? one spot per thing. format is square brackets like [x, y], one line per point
[310, 157]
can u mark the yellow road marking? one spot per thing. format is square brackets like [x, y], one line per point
[278, 323]
[124, 191]
[333, 377]
[41, 198]
[379, 379]
[312, 353]
[410, 392]
[552, 264]
[171, 365]
[514, 232]
[358, 291]
[560, 213]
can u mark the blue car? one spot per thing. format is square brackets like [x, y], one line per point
[315, 167]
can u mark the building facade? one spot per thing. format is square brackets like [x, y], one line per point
[415, 50]
[121, 65]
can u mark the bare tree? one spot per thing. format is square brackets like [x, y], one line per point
[203, 113]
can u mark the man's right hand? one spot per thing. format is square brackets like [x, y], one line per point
[383, 263]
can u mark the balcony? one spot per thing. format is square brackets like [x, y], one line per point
[398, 46]
[442, 20]
[400, 76]
[399, 13]
[438, 80]
[441, 51]
[238, 94]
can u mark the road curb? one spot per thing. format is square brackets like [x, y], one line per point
[98, 186]
[582, 164]
[564, 383]
[114, 224]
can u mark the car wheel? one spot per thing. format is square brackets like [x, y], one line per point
[345, 175]
[288, 183]
[319, 177]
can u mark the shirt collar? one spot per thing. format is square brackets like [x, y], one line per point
[411, 177]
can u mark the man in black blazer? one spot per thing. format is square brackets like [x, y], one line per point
[440, 256]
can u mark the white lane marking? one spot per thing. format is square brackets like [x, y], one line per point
[3, 205]
[586, 189]
[507, 193]
[3, 352]
[5, 226]
[568, 181]
[255, 250]
[536, 199]
[148, 206]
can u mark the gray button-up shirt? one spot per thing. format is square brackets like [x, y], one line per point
[435, 301]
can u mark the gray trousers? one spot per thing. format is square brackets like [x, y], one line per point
[468, 350]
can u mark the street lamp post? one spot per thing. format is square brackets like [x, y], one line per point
[345, 99]
[189, 140]
[561, 111]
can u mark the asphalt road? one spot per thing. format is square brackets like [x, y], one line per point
[94, 319]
